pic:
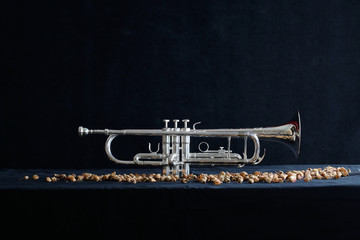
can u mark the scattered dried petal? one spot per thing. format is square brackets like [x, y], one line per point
[217, 181]
[35, 177]
[25, 178]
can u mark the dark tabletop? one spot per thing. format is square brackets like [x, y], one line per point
[316, 209]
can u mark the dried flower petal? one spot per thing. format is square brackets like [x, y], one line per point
[35, 177]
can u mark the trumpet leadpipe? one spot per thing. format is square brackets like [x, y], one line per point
[262, 133]
[153, 132]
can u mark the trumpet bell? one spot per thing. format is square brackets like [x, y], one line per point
[290, 135]
[296, 144]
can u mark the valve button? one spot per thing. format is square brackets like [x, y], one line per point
[166, 121]
[176, 123]
[185, 121]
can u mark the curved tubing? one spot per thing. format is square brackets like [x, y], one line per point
[108, 151]
[256, 155]
[235, 159]
[137, 157]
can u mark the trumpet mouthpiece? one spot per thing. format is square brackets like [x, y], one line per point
[83, 131]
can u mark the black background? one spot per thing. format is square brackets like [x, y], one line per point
[130, 64]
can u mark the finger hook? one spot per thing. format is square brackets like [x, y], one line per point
[158, 148]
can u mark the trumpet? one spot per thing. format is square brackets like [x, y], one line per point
[176, 158]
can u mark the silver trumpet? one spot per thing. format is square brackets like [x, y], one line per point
[176, 157]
